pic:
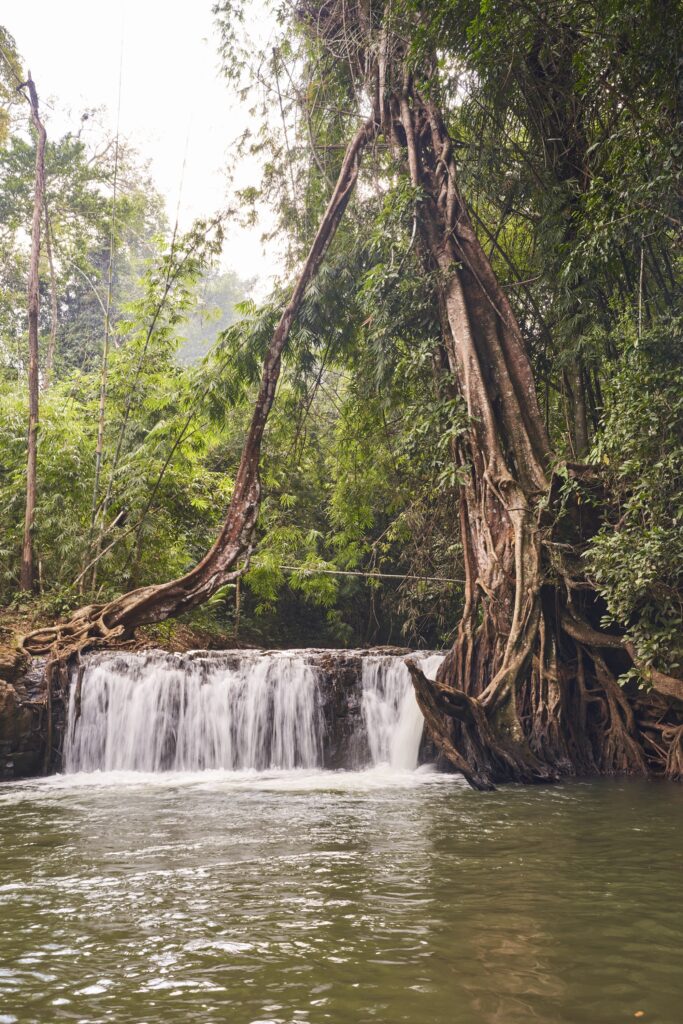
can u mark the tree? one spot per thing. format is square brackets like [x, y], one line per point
[10, 73]
[10, 77]
[529, 691]
[27, 581]
[102, 624]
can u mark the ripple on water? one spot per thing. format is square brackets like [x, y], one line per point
[345, 897]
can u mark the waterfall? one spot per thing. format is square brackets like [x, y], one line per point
[391, 714]
[237, 710]
[159, 712]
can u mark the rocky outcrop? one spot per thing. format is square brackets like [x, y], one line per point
[22, 715]
[344, 742]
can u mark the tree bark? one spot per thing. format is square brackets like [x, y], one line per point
[54, 308]
[529, 691]
[577, 397]
[27, 579]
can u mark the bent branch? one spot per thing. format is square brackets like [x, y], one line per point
[97, 625]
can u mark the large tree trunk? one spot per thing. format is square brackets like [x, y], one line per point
[528, 692]
[27, 580]
[98, 625]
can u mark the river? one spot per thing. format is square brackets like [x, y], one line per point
[309, 896]
[374, 896]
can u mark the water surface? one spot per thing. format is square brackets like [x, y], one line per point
[308, 896]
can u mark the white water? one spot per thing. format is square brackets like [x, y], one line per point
[52, 789]
[393, 720]
[234, 711]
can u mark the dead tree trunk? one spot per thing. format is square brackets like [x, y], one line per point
[104, 624]
[27, 580]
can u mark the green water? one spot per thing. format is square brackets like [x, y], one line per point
[373, 897]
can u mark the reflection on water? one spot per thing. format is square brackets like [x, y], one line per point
[304, 896]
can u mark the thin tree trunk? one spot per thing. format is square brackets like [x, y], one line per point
[27, 580]
[54, 311]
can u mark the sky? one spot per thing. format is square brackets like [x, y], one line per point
[176, 108]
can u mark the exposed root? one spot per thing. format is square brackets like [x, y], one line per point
[540, 719]
[436, 702]
[479, 741]
[87, 628]
[673, 738]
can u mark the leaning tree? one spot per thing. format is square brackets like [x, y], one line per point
[116, 621]
[529, 691]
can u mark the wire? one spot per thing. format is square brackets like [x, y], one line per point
[371, 575]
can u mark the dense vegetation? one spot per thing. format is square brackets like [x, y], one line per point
[564, 124]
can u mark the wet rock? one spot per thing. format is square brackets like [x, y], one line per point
[344, 743]
[22, 716]
[13, 664]
[21, 734]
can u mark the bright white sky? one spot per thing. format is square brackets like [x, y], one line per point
[175, 105]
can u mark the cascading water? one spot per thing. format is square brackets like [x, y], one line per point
[393, 720]
[159, 712]
[243, 710]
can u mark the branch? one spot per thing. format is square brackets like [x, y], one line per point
[668, 686]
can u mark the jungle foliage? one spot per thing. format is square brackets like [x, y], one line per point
[566, 120]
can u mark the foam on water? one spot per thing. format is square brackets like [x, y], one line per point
[318, 780]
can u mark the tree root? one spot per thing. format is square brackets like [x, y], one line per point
[478, 741]
[542, 721]
[673, 737]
